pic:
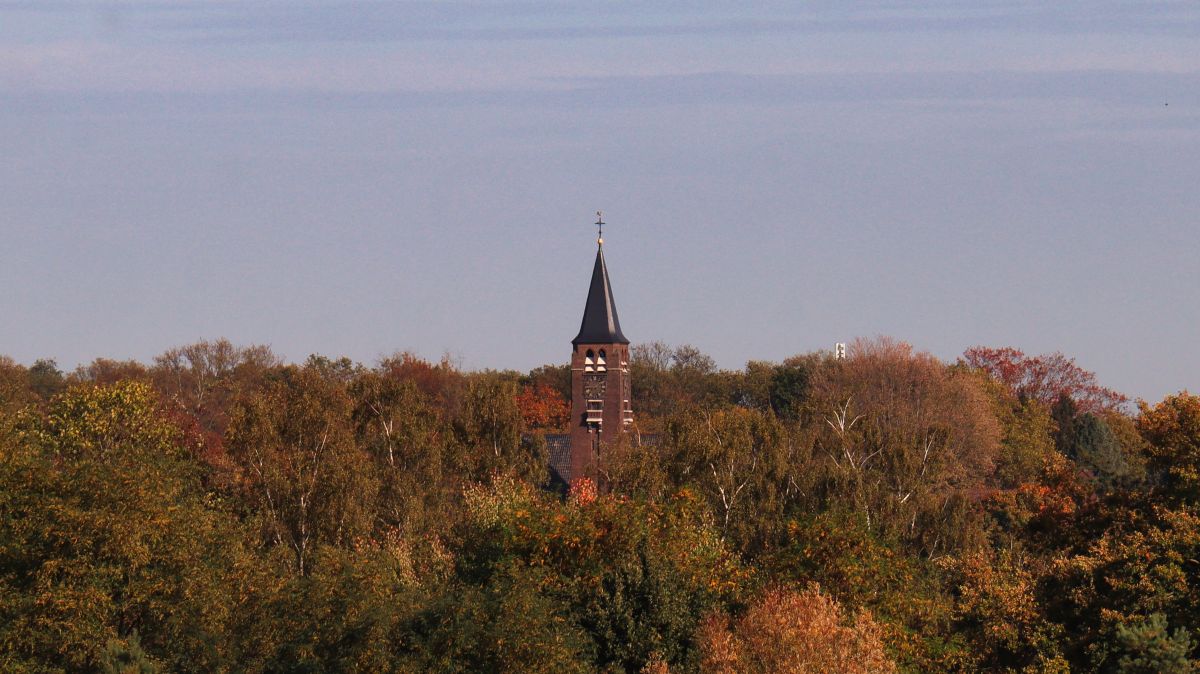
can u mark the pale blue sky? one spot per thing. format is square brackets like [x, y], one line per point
[355, 178]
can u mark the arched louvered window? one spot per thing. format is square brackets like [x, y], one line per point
[589, 361]
[601, 366]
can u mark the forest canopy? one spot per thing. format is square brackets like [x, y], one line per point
[221, 510]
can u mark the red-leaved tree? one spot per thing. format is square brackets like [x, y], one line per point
[1045, 377]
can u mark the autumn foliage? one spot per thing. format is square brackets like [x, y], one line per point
[1044, 378]
[543, 408]
[221, 510]
[793, 631]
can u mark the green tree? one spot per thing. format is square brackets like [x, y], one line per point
[1096, 448]
[307, 479]
[789, 387]
[104, 371]
[636, 577]
[997, 608]
[863, 570]
[1147, 647]
[405, 436]
[753, 387]
[350, 613]
[15, 394]
[667, 380]
[127, 657]
[744, 465]
[202, 381]
[342, 370]
[1028, 443]
[556, 377]
[489, 429]
[515, 623]
[105, 529]
[45, 378]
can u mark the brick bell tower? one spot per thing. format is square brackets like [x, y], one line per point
[600, 390]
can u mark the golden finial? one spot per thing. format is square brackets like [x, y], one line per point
[600, 228]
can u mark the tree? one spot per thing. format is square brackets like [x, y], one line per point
[1147, 647]
[489, 428]
[104, 530]
[789, 388]
[127, 657]
[543, 408]
[342, 370]
[1096, 448]
[405, 436]
[904, 440]
[1089, 441]
[696, 379]
[1027, 431]
[351, 613]
[104, 371]
[753, 387]
[556, 377]
[45, 378]
[669, 379]
[200, 382]
[1044, 378]
[15, 391]
[1172, 429]
[1134, 448]
[636, 577]
[996, 606]
[308, 481]
[442, 381]
[866, 571]
[516, 623]
[1140, 564]
[789, 631]
[742, 463]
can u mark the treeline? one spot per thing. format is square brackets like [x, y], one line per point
[218, 510]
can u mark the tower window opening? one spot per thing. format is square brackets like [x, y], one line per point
[595, 411]
[600, 364]
[589, 361]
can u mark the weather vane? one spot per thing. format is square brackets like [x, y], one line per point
[599, 228]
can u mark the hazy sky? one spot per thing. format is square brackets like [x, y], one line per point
[356, 178]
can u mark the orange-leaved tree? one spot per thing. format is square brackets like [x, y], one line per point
[793, 631]
[1172, 427]
[543, 407]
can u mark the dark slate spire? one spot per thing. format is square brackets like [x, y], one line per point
[600, 324]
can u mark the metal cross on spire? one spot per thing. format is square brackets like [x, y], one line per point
[599, 228]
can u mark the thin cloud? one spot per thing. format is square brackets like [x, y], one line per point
[371, 22]
[1109, 87]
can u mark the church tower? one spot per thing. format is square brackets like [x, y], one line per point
[600, 390]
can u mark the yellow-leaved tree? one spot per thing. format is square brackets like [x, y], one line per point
[107, 534]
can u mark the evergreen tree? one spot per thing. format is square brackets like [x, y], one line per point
[1148, 648]
[1064, 412]
[127, 657]
[1096, 448]
[1088, 441]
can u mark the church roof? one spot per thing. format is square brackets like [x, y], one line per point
[558, 446]
[600, 324]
